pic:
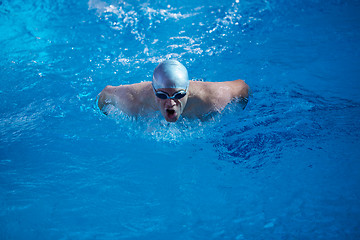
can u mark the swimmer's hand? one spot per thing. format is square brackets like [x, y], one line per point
[243, 102]
[106, 98]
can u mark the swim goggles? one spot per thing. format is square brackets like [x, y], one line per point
[164, 95]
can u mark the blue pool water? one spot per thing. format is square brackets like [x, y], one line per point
[285, 168]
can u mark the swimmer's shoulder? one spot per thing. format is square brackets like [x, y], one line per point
[112, 95]
[143, 94]
[236, 88]
[218, 94]
[128, 90]
[130, 97]
[201, 86]
[205, 97]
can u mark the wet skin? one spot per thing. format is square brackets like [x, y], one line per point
[201, 99]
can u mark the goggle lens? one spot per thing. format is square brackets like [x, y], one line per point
[164, 95]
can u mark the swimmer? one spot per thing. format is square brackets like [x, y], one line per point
[173, 94]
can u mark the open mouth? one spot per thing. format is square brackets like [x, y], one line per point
[170, 113]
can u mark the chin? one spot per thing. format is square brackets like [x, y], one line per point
[171, 120]
[171, 117]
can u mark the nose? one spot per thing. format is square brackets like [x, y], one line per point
[170, 102]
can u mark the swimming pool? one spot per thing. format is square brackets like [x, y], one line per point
[287, 167]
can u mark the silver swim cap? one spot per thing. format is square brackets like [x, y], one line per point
[170, 74]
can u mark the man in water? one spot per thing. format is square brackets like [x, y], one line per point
[173, 94]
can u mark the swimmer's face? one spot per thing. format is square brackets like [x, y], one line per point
[171, 109]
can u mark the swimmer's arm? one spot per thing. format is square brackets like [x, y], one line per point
[122, 97]
[241, 92]
[107, 97]
[240, 89]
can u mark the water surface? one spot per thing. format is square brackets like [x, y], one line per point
[285, 168]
